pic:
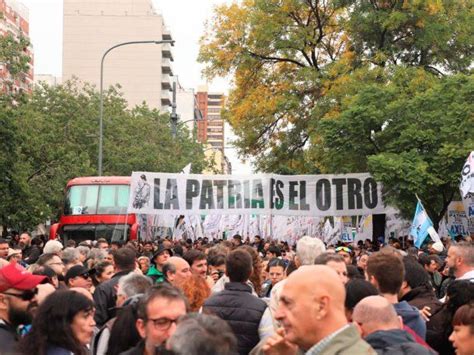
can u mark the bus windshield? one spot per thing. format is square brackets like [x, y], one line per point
[96, 199]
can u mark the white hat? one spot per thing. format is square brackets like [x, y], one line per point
[438, 246]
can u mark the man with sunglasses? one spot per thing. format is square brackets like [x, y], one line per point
[18, 302]
[158, 312]
[79, 276]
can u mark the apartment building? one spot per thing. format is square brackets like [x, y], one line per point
[143, 71]
[14, 21]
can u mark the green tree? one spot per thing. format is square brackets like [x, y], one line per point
[302, 67]
[56, 139]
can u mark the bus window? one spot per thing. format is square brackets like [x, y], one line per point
[113, 199]
[81, 199]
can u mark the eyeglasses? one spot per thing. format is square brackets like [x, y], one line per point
[344, 249]
[27, 295]
[85, 276]
[163, 323]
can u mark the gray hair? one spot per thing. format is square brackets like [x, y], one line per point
[133, 284]
[169, 267]
[83, 250]
[70, 255]
[466, 251]
[97, 254]
[203, 334]
[308, 248]
[53, 247]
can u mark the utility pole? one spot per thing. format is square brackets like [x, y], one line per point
[174, 115]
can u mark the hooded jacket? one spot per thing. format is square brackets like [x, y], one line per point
[396, 342]
[411, 318]
[156, 275]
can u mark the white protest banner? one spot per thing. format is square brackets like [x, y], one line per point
[467, 176]
[290, 195]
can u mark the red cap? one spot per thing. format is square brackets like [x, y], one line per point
[15, 276]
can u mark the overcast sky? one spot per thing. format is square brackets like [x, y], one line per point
[184, 18]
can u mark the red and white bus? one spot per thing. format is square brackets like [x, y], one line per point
[96, 207]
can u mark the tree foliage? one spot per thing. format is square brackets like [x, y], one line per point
[326, 85]
[53, 137]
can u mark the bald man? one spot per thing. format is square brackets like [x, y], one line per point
[382, 328]
[176, 270]
[311, 312]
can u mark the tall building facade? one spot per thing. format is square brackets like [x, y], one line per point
[14, 20]
[210, 129]
[143, 71]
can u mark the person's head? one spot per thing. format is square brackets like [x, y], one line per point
[124, 259]
[103, 271]
[307, 249]
[346, 254]
[362, 261]
[356, 290]
[238, 265]
[273, 252]
[462, 336]
[103, 244]
[116, 245]
[25, 240]
[71, 257]
[3, 249]
[386, 272]
[216, 265]
[131, 285]
[459, 293]
[49, 273]
[158, 312]
[237, 240]
[198, 262]
[65, 319]
[161, 256]
[18, 294]
[177, 270]
[79, 276]
[374, 313]
[198, 333]
[276, 270]
[144, 264]
[53, 247]
[460, 258]
[415, 276]
[196, 290]
[335, 262]
[311, 305]
[434, 263]
[83, 252]
[53, 261]
[256, 275]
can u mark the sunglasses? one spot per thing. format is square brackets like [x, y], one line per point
[27, 295]
[85, 276]
[344, 249]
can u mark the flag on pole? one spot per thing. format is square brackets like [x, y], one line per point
[422, 226]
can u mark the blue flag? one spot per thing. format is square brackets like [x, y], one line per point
[421, 225]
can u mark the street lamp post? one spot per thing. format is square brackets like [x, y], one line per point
[101, 107]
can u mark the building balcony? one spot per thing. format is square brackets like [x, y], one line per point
[166, 82]
[166, 66]
[165, 98]
[166, 34]
[166, 51]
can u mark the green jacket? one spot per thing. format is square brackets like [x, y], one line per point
[156, 275]
[348, 342]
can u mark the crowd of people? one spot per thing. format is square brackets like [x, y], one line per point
[235, 297]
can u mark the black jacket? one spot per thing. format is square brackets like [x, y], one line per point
[31, 254]
[396, 342]
[138, 349]
[242, 311]
[8, 338]
[105, 298]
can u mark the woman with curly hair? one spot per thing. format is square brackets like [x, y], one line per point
[196, 290]
[64, 324]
